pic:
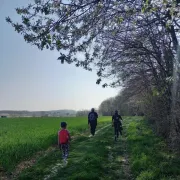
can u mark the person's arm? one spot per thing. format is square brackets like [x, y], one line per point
[88, 119]
[113, 120]
[96, 121]
[96, 118]
[69, 137]
[120, 117]
[58, 138]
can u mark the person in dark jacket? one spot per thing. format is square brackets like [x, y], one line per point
[116, 123]
[92, 120]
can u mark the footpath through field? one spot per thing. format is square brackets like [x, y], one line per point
[97, 157]
[100, 158]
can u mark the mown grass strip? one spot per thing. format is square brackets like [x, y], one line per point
[96, 158]
[150, 158]
[21, 138]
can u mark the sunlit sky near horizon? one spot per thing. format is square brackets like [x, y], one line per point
[31, 79]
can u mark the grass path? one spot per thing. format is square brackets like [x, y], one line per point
[138, 155]
[59, 164]
[97, 157]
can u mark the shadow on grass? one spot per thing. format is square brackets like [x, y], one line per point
[89, 159]
[150, 158]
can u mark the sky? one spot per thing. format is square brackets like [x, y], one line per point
[32, 80]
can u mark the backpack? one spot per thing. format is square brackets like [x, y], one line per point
[63, 136]
[92, 117]
[116, 118]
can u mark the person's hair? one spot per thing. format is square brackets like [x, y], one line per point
[63, 124]
[92, 109]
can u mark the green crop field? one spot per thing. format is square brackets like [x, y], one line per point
[138, 154]
[20, 138]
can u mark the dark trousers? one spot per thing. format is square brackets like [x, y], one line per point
[65, 150]
[93, 128]
[117, 129]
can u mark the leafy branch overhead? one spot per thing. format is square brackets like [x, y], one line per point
[107, 32]
[132, 43]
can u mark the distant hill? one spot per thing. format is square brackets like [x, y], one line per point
[54, 113]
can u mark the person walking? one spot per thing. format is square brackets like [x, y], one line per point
[92, 120]
[117, 124]
[63, 141]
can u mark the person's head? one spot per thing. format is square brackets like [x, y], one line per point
[116, 111]
[63, 125]
[92, 110]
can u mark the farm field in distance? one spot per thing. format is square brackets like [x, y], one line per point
[20, 138]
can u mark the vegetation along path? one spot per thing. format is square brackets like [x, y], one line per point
[139, 154]
[97, 157]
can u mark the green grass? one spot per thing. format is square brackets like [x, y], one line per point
[96, 158]
[20, 138]
[90, 158]
[150, 158]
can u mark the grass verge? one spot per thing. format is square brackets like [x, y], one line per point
[150, 158]
[96, 158]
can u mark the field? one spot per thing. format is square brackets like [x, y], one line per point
[139, 154]
[20, 138]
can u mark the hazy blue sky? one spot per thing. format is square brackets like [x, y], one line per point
[31, 79]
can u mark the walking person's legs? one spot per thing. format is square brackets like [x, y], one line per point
[93, 128]
[115, 132]
[120, 128]
[66, 151]
[63, 149]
